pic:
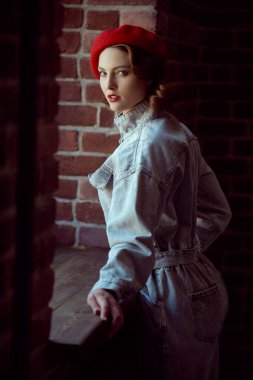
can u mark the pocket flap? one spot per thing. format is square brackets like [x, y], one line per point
[100, 177]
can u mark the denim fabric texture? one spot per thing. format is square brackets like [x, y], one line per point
[163, 208]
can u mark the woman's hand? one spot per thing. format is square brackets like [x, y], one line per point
[104, 304]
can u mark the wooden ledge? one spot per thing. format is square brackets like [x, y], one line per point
[73, 325]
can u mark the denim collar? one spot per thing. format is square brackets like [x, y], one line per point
[128, 123]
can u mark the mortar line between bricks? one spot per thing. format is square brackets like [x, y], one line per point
[82, 224]
[108, 131]
[105, 8]
[82, 154]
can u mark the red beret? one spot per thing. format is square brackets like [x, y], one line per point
[128, 35]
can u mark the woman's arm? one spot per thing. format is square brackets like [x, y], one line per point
[130, 224]
[213, 211]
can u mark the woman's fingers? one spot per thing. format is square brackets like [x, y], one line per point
[104, 304]
[92, 302]
[117, 319]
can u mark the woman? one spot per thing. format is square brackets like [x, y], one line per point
[163, 208]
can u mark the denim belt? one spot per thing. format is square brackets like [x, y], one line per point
[170, 258]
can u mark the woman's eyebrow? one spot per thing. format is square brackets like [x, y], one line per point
[116, 67]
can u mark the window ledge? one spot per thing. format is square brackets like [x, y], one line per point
[73, 325]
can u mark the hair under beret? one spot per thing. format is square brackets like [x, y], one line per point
[128, 35]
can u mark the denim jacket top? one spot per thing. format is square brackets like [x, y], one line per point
[158, 194]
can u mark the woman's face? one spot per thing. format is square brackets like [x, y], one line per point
[122, 89]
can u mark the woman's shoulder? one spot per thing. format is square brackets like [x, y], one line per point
[165, 128]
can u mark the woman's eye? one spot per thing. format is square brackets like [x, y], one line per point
[123, 73]
[102, 73]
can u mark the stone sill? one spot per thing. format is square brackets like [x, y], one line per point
[74, 328]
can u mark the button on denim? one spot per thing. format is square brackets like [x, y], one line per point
[163, 208]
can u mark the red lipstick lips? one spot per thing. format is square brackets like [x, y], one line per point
[113, 98]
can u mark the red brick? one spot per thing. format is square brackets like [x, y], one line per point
[64, 211]
[9, 66]
[7, 232]
[244, 73]
[122, 2]
[70, 91]
[7, 190]
[69, 42]
[145, 19]
[225, 91]
[6, 317]
[6, 275]
[85, 69]
[215, 147]
[243, 185]
[44, 214]
[67, 189]
[217, 38]
[93, 237]
[230, 167]
[106, 2]
[243, 148]
[226, 56]
[73, 18]
[101, 20]
[90, 212]
[48, 95]
[106, 119]
[41, 327]
[243, 110]
[222, 18]
[46, 176]
[200, 72]
[244, 39]
[89, 37]
[64, 234]
[221, 127]
[44, 249]
[68, 141]
[214, 109]
[100, 142]
[176, 28]
[68, 68]
[9, 102]
[71, 1]
[79, 165]
[48, 66]
[47, 140]
[221, 73]
[140, 2]
[87, 191]
[77, 115]
[6, 340]
[94, 93]
[42, 286]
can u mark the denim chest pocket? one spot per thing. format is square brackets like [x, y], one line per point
[208, 313]
[101, 177]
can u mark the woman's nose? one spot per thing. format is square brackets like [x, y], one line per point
[111, 82]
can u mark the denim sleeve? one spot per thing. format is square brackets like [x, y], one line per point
[213, 211]
[131, 221]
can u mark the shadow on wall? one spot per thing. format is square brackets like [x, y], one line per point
[28, 176]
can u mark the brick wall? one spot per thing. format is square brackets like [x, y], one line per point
[225, 127]
[86, 129]
[9, 88]
[28, 179]
[211, 50]
[210, 73]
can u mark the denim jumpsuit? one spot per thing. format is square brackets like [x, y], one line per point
[163, 208]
